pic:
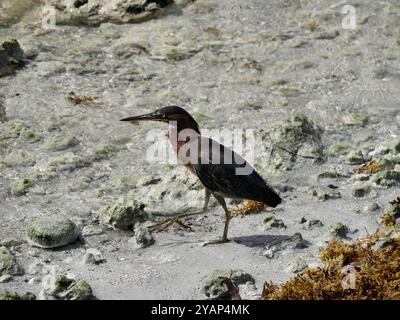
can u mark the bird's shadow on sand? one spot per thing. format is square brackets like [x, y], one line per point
[258, 240]
[253, 241]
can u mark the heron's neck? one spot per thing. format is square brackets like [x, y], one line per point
[186, 124]
[180, 133]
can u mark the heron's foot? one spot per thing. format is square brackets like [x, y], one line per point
[165, 224]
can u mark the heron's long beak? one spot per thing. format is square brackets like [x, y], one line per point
[149, 117]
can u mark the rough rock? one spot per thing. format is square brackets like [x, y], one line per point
[37, 267]
[388, 239]
[7, 295]
[272, 222]
[330, 174]
[289, 92]
[325, 34]
[60, 142]
[123, 214]
[388, 178]
[3, 115]
[297, 265]
[214, 288]
[93, 256]
[379, 151]
[393, 210]
[355, 158]
[92, 230]
[9, 264]
[64, 288]
[338, 149]
[294, 65]
[11, 243]
[275, 35]
[17, 160]
[339, 230]
[324, 193]
[12, 129]
[361, 191]
[6, 278]
[79, 184]
[147, 180]
[143, 236]
[312, 224]
[51, 231]
[11, 56]
[356, 119]
[361, 177]
[95, 12]
[68, 162]
[21, 186]
[293, 138]
[370, 207]
[249, 291]
[389, 161]
[383, 242]
[284, 243]
[102, 152]
[13, 10]
[396, 146]
[176, 54]
[34, 281]
[30, 135]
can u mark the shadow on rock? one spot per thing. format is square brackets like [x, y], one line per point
[258, 240]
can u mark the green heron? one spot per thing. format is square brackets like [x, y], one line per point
[222, 179]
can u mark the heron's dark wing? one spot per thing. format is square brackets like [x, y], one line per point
[223, 177]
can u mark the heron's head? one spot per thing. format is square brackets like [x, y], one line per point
[167, 114]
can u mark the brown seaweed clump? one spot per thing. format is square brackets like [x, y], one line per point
[249, 207]
[367, 269]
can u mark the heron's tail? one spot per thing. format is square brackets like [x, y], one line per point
[272, 199]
